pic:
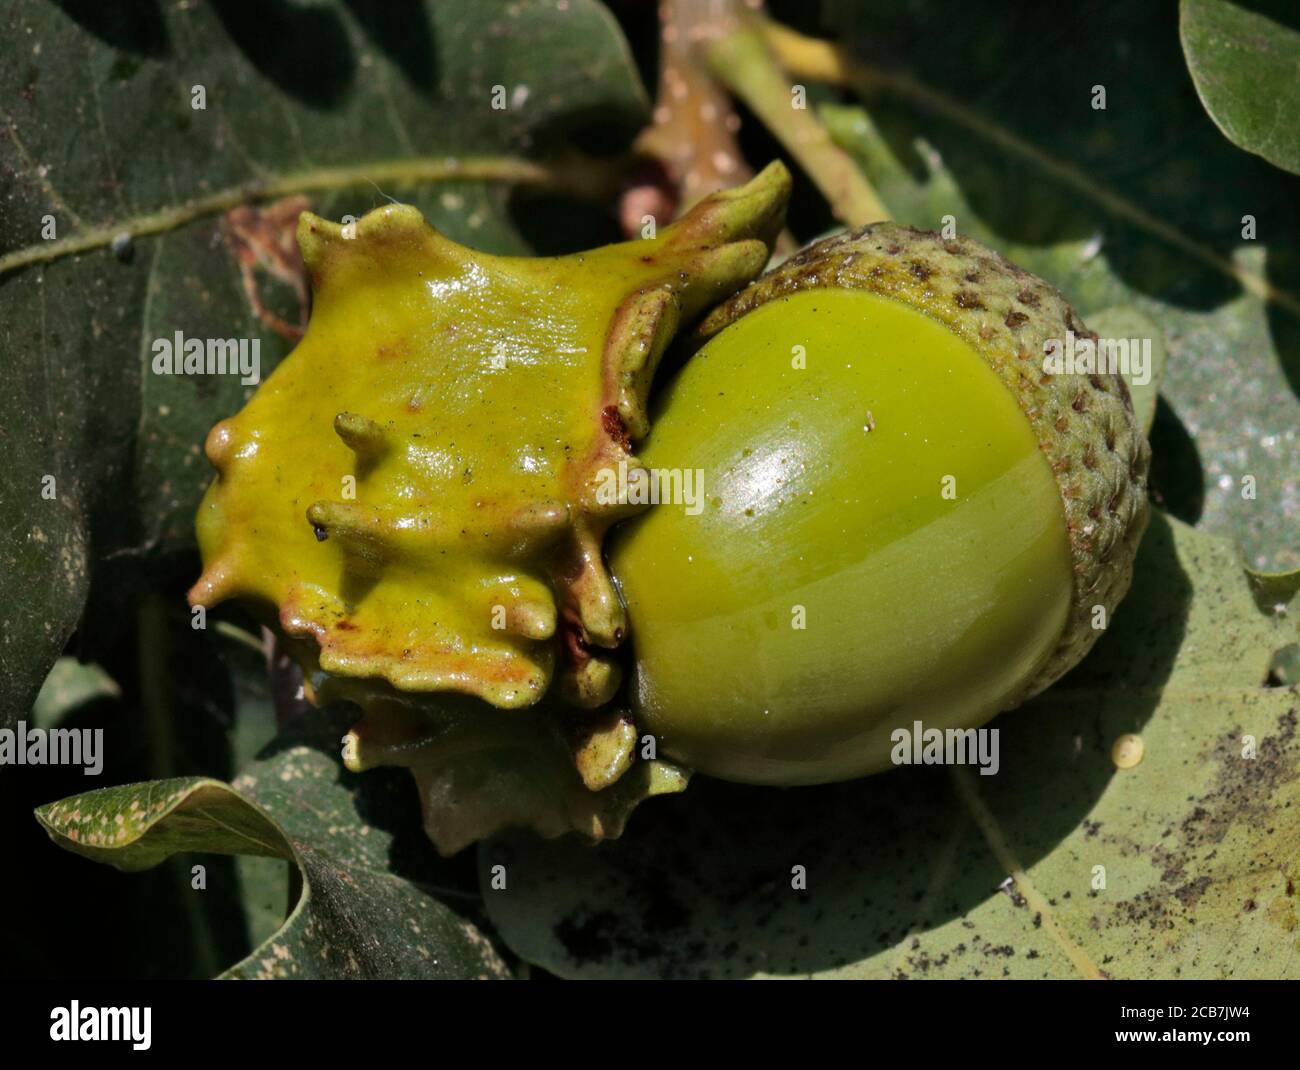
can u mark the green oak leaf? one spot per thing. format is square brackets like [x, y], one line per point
[357, 917]
[1060, 865]
[1244, 65]
[117, 229]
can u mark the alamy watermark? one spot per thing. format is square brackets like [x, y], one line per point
[1084, 355]
[919, 745]
[651, 486]
[21, 745]
[209, 356]
[75, 1022]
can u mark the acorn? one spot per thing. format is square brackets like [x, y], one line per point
[907, 516]
[882, 507]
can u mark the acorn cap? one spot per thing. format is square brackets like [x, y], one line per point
[420, 486]
[416, 499]
[1084, 424]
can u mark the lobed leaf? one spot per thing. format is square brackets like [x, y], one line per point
[358, 916]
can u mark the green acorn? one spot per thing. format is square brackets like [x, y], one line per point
[899, 514]
[908, 518]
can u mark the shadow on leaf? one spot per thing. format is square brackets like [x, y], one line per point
[1177, 476]
[401, 29]
[138, 28]
[305, 51]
